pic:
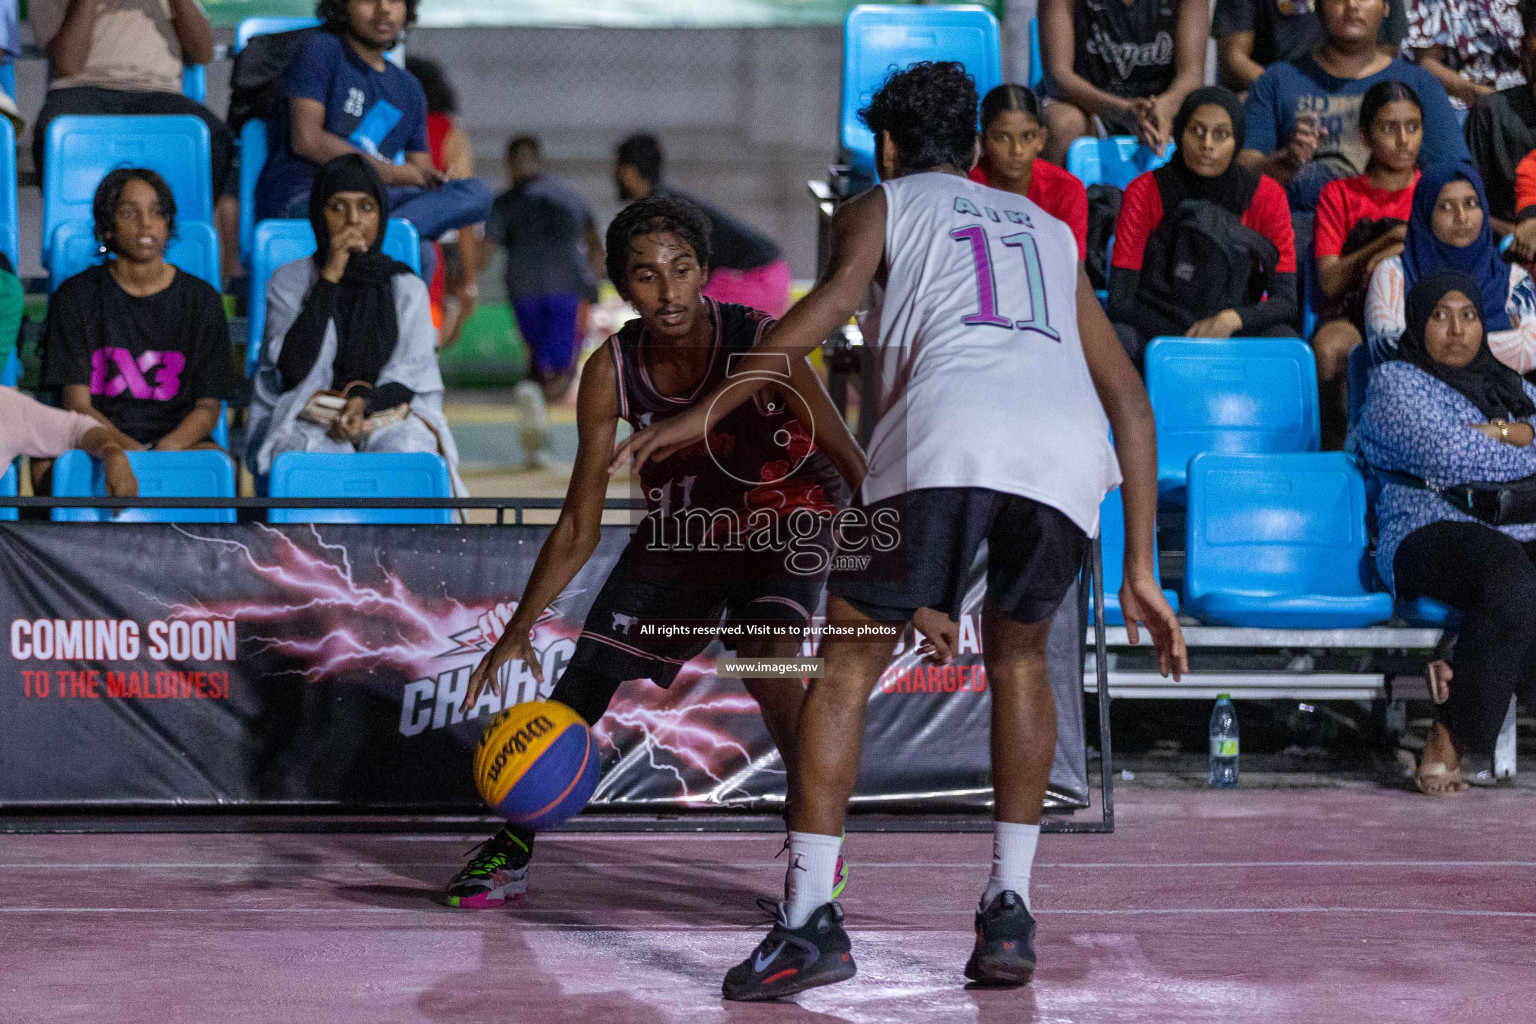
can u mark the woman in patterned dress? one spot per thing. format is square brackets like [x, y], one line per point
[1445, 411]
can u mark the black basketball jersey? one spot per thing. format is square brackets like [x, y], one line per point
[758, 457]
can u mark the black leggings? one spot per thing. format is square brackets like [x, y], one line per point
[1491, 579]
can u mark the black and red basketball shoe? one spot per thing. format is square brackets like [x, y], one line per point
[1005, 943]
[792, 960]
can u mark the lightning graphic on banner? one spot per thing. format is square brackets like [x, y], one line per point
[327, 618]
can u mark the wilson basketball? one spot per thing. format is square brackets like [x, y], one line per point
[537, 764]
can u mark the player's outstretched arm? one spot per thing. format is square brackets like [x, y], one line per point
[575, 534]
[858, 245]
[819, 416]
[1125, 401]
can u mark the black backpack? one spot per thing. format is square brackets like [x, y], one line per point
[256, 84]
[1201, 260]
[1103, 211]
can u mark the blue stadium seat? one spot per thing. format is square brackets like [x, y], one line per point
[1116, 161]
[10, 236]
[1112, 553]
[197, 474]
[1279, 541]
[1359, 376]
[1229, 395]
[249, 28]
[879, 39]
[8, 490]
[1427, 612]
[81, 149]
[8, 77]
[195, 249]
[194, 82]
[10, 373]
[253, 157]
[360, 475]
[1036, 62]
[282, 241]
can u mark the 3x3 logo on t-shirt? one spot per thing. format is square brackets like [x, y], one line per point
[134, 375]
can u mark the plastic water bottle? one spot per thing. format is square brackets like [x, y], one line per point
[1223, 742]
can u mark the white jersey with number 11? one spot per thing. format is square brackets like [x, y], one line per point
[983, 379]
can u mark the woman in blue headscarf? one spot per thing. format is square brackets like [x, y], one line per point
[1450, 229]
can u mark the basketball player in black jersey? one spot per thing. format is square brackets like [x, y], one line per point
[689, 561]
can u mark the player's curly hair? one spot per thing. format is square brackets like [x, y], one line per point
[110, 192]
[930, 110]
[648, 217]
[333, 14]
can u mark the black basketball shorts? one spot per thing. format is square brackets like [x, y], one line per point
[1034, 553]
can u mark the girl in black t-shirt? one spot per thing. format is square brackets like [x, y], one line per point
[1126, 63]
[133, 341]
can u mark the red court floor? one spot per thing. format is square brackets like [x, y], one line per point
[1347, 906]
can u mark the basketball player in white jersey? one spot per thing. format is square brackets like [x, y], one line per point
[1001, 380]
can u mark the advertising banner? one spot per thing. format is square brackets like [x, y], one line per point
[245, 663]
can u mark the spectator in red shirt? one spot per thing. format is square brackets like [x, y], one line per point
[1360, 222]
[1523, 246]
[1209, 133]
[1011, 140]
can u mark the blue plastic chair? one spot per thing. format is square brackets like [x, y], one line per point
[196, 474]
[1112, 553]
[253, 157]
[1428, 613]
[360, 475]
[10, 238]
[81, 149]
[282, 241]
[1116, 161]
[1229, 395]
[194, 82]
[1279, 541]
[1036, 64]
[10, 373]
[879, 39]
[249, 28]
[8, 490]
[8, 77]
[195, 249]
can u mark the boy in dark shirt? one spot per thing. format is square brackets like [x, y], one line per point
[1253, 34]
[345, 96]
[134, 342]
[1304, 117]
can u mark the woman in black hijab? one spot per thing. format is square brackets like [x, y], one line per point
[1447, 412]
[1204, 168]
[349, 354]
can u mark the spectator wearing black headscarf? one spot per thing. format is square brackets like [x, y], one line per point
[1209, 134]
[354, 322]
[1446, 412]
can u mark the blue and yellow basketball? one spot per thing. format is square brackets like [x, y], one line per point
[537, 763]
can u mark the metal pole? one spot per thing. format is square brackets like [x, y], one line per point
[1101, 670]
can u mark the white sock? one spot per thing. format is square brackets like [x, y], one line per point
[808, 881]
[1013, 854]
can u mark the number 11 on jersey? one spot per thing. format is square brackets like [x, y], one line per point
[987, 314]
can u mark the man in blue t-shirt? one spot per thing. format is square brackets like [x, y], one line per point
[1303, 116]
[344, 96]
